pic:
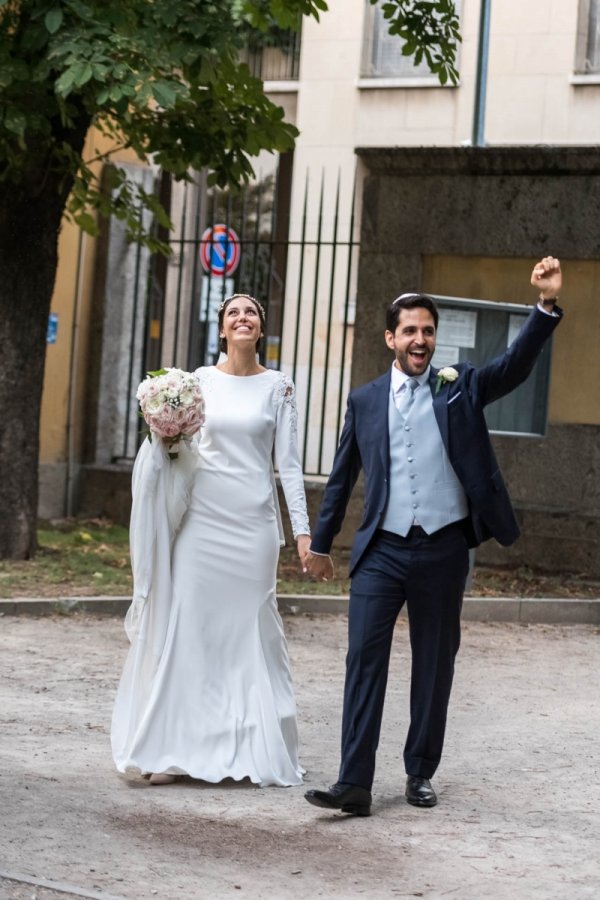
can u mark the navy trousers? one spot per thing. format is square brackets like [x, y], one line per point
[428, 573]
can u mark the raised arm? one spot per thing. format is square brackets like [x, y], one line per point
[503, 374]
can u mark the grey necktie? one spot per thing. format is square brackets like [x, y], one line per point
[406, 396]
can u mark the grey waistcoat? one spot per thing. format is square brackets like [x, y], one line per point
[423, 487]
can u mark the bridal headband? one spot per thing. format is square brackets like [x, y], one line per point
[248, 297]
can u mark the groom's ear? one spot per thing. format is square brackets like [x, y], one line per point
[389, 339]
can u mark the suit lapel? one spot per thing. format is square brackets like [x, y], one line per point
[440, 405]
[380, 408]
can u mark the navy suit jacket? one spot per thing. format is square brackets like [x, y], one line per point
[458, 407]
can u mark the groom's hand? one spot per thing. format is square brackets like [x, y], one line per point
[320, 567]
[547, 278]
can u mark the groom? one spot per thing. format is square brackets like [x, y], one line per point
[432, 490]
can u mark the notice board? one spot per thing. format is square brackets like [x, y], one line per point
[479, 330]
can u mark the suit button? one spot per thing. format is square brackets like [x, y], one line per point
[411, 459]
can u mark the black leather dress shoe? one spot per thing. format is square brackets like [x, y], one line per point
[350, 798]
[419, 791]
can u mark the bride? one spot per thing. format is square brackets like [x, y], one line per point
[206, 689]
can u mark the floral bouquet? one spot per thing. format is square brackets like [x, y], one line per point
[172, 405]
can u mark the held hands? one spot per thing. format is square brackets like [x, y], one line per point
[320, 567]
[547, 278]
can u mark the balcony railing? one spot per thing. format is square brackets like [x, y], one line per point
[276, 59]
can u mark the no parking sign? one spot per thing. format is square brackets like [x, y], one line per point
[220, 250]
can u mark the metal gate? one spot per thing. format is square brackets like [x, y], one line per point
[290, 243]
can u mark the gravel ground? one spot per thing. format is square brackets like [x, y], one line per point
[518, 786]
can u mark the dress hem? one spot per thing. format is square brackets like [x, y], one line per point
[133, 769]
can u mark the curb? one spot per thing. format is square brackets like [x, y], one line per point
[530, 610]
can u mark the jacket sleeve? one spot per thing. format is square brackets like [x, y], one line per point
[346, 467]
[503, 374]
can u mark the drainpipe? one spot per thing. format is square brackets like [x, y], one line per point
[478, 139]
[72, 474]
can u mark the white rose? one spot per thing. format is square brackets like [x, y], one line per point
[153, 405]
[186, 398]
[448, 374]
[142, 390]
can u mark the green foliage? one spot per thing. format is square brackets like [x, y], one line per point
[264, 14]
[162, 79]
[159, 78]
[430, 30]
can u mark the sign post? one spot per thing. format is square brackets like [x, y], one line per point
[220, 256]
[219, 250]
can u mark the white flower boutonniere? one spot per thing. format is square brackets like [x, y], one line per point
[447, 374]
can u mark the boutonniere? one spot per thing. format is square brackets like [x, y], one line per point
[445, 375]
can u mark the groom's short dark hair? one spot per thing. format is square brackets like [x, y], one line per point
[409, 301]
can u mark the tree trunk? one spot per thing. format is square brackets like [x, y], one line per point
[28, 260]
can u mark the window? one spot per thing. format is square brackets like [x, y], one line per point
[274, 56]
[479, 330]
[588, 56]
[382, 51]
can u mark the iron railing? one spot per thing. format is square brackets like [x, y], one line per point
[275, 58]
[301, 263]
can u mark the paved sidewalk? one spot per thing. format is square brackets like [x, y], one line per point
[519, 785]
[526, 610]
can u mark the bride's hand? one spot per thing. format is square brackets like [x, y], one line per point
[303, 545]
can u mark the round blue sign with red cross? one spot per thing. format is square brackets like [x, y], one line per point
[219, 250]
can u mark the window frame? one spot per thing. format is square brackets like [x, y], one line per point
[409, 74]
[584, 69]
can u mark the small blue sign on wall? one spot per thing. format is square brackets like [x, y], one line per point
[52, 328]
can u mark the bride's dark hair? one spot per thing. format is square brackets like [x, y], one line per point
[221, 314]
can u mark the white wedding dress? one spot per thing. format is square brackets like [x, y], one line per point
[206, 689]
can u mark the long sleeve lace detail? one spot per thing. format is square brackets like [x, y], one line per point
[287, 457]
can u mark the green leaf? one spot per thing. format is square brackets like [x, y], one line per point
[82, 72]
[15, 121]
[65, 83]
[113, 177]
[87, 223]
[53, 19]
[164, 94]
